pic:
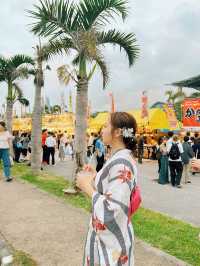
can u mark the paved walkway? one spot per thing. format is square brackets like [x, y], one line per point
[183, 204]
[52, 231]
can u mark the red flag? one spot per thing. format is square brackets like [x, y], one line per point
[144, 105]
[112, 102]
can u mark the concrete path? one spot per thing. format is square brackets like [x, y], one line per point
[183, 204]
[52, 231]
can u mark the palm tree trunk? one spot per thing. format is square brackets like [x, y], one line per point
[81, 123]
[37, 122]
[9, 108]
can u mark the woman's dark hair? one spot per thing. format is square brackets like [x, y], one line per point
[125, 121]
[3, 124]
[186, 138]
[160, 141]
[170, 134]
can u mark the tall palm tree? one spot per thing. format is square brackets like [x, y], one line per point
[43, 53]
[11, 70]
[80, 27]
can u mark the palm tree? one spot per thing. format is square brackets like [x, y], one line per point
[43, 53]
[79, 27]
[195, 95]
[177, 96]
[56, 109]
[11, 70]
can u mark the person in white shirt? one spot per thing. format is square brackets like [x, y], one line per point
[170, 138]
[5, 147]
[51, 147]
[175, 150]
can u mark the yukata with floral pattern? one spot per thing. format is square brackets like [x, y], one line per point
[110, 237]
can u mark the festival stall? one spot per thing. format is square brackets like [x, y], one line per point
[63, 122]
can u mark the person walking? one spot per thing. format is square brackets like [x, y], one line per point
[61, 153]
[5, 148]
[110, 238]
[187, 155]
[17, 147]
[175, 150]
[44, 146]
[100, 153]
[51, 148]
[140, 148]
[25, 143]
[158, 153]
[164, 164]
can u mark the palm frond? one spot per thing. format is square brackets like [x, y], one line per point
[127, 42]
[103, 67]
[20, 73]
[18, 60]
[65, 74]
[54, 17]
[17, 92]
[3, 68]
[76, 60]
[24, 101]
[3, 61]
[95, 12]
[56, 47]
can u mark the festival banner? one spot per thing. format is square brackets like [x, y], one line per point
[191, 114]
[171, 116]
[112, 102]
[144, 113]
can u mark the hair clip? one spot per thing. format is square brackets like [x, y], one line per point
[127, 132]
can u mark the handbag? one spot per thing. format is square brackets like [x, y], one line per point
[135, 201]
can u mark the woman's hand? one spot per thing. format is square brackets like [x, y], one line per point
[84, 182]
[90, 169]
[196, 164]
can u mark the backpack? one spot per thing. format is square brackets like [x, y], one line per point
[174, 153]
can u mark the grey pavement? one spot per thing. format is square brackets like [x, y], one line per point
[52, 231]
[183, 204]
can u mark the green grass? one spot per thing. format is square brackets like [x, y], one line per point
[172, 236]
[23, 259]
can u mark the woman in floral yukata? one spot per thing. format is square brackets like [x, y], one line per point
[110, 237]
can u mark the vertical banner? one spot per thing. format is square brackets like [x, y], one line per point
[191, 114]
[144, 113]
[171, 116]
[112, 102]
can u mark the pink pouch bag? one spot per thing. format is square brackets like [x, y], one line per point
[135, 201]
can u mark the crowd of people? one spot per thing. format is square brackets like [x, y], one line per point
[175, 155]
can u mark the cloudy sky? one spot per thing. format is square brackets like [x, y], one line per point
[169, 38]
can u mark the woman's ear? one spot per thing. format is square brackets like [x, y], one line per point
[118, 132]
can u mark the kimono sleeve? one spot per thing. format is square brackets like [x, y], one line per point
[116, 199]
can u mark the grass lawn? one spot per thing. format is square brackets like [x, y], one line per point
[23, 259]
[172, 236]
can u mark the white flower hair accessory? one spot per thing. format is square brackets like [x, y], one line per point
[127, 132]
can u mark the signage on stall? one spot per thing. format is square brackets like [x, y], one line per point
[191, 114]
